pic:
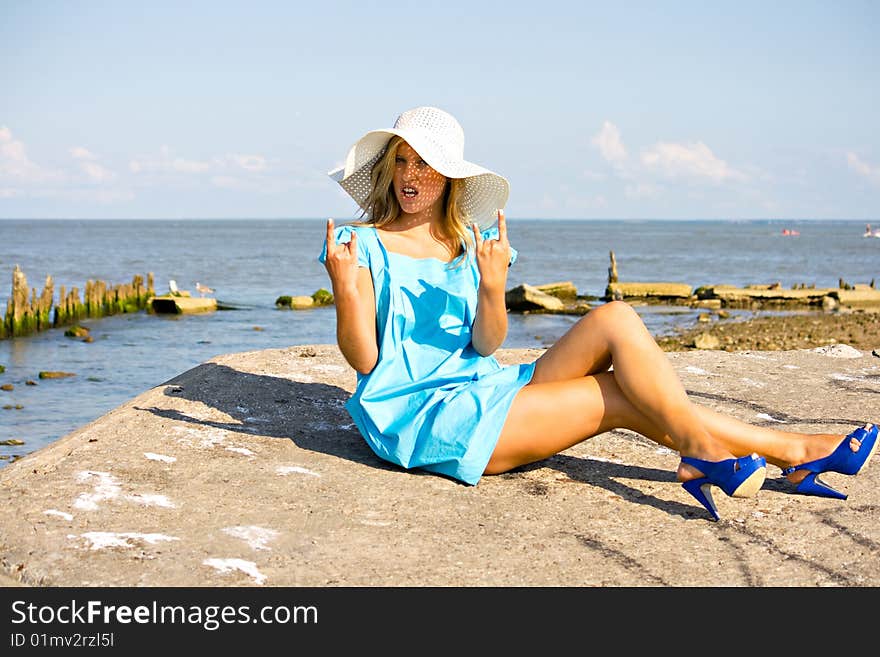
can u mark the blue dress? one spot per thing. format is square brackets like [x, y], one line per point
[432, 401]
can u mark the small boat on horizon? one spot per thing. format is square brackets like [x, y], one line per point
[871, 233]
[790, 232]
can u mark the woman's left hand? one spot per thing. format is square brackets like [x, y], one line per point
[493, 257]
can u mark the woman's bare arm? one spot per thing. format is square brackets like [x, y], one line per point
[355, 302]
[493, 259]
[490, 324]
[356, 322]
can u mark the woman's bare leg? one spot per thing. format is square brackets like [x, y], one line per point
[614, 334]
[547, 418]
[564, 404]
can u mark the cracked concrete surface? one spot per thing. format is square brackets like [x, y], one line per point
[248, 471]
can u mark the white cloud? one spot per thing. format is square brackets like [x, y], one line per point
[189, 166]
[249, 162]
[246, 173]
[15, 166]
[179, 164]
[608, 141]
[869, 171]
[166, 162]
[670, 160]
[20, 177]
[693, 161]
[95, 172]
[80, 153]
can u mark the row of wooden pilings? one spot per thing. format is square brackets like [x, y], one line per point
[28, 312]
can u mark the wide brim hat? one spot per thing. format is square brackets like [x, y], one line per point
[439, 140]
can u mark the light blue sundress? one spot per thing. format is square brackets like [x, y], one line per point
[432, 401]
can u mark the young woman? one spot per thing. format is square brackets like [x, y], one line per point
[419, 290]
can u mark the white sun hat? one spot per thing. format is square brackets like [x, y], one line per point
[439, 140]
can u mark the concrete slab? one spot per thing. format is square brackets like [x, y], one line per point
[247, 470]
[660, 290]
[178, 304]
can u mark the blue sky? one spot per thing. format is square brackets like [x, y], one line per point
[670, 109]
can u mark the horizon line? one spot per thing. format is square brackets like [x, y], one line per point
[527, 218]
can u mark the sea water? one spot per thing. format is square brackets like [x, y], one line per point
[249, 263]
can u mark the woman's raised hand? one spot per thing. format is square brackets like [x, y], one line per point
[341, 262]
[493, 256]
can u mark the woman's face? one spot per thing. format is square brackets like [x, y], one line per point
[418, 187]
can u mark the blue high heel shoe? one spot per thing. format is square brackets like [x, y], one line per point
[842, 460]
[741, 477]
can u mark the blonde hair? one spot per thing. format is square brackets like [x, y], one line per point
[381, 206]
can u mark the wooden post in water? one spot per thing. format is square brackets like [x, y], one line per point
[131, 297]
[24, 316]
[17, 320]
[95, 294]
[17, 314]
[42, 306]
[69, 309]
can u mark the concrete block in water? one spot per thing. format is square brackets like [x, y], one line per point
[662, 290]
[182, 305]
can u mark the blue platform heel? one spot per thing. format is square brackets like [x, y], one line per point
[842, 460]
[742, 477]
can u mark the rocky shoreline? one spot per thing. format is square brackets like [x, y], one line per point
[774, 332]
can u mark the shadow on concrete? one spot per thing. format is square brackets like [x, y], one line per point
[780, 417]
[311, 415]
[611, 477]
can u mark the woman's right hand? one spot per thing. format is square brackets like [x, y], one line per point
[355, 303]
[341, 262]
